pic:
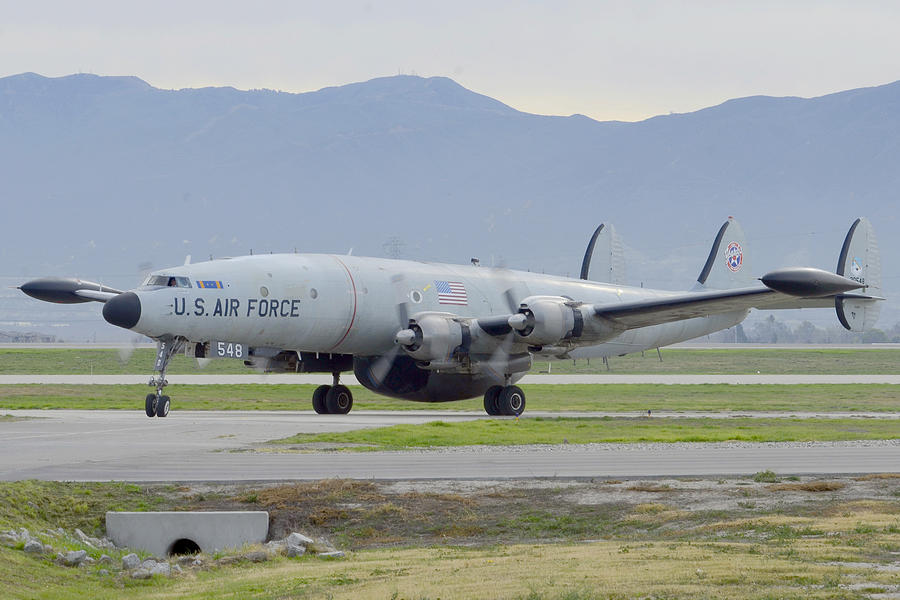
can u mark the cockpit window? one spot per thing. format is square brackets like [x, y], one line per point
[168, 281]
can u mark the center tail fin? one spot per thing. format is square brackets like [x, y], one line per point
[727, 266]
[606, 246]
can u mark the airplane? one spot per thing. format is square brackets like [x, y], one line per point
[435, 332]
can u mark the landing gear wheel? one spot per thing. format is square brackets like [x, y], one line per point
[339, 400]
[150, 405]
[319, 399]
[491, 398]
[512, 401]
[162, 406]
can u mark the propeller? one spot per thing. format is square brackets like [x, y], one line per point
[125, 352]
[382, 366]
[505, 325]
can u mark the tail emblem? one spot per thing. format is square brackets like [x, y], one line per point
[734, 256]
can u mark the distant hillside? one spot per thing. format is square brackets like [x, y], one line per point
[104, 174]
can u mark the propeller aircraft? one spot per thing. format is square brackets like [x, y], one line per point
[434, 332]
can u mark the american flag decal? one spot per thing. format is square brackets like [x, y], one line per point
[451, 292]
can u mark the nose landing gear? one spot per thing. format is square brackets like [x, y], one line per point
[157, 404]
[333, 399]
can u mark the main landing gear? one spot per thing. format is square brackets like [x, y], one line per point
[156, 404]
[504, 400]
[332, 399]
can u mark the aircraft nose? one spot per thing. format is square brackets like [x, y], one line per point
[124, 310]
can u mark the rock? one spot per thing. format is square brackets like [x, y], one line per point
[148, 564]
[60, 557]
[48, 549]
[24, 534]
[140, 574]
[33, 547]
[162, 568]
[275, 546]
[103, 573]
[298, 539]
[177, 569]
[105, 559]
[82, 537]
[130, 561]
[74, 558]
[320, 547]
[8, 539]
[186, 560]
[294, 551]
[88, 561]
[331, 555]
[257, 556]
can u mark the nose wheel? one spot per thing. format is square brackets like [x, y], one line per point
[332, 399]
[157, 404]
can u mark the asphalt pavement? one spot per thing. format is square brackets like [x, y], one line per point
[228, 446]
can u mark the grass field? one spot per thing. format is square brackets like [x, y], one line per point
[605, 397]
[632, 540]
[675, 361]
[561, 430]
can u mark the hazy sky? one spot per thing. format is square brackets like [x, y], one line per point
[608, 60]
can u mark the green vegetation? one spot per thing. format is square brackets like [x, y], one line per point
[605, 397]
[37, 504]
[413, 542]
[766, 476]
[562, 430]
[768, 361]
[66, 361]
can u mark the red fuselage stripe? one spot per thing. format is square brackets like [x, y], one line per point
[353, 318]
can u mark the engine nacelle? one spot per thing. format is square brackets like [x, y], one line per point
[431, 337]
[547, 320]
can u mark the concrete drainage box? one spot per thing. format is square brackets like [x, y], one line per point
[166, 533]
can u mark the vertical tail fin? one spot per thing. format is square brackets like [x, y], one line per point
[610, 254]
[727, 265]
[860, 261]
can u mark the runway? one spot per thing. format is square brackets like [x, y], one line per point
[320, 379]
[225, 446]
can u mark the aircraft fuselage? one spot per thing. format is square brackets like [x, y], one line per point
[348, 305]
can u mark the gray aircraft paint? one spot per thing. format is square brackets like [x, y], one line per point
[353, 295]
[480, 329]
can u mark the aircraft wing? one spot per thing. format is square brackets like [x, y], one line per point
[796, 288]
[644, 313]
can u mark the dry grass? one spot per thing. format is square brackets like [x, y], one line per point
[650, 508]
[808, 486]
[583, 571]
[334, 490]
[650, 487]
[875, 476]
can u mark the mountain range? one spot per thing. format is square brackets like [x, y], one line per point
[105, 177]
